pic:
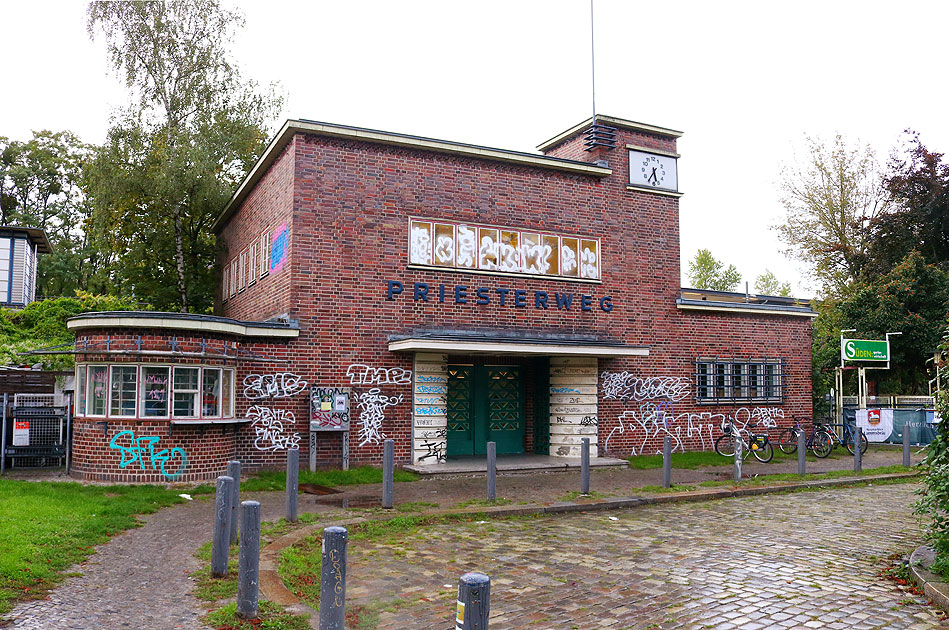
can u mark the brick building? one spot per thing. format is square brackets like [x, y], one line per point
[444, 295]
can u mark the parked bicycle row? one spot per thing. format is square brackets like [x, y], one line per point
[821, 440]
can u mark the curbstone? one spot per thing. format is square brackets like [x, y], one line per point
[932, 585]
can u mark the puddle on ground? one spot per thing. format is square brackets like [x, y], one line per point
[312, 488]
[351, 502]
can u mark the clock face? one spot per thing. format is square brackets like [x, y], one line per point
[653, 170]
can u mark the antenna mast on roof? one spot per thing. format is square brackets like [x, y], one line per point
[597, 135]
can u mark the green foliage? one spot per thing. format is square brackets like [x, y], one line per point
[172, 160]
[705, 272]
[277, 479]
[768, 284]
[934, 501]
[830, 200]
[47, 527]
[43, 324]
[270, 616]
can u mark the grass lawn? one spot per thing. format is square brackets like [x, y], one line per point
[699, 459]
[47, 527]
[277, 479]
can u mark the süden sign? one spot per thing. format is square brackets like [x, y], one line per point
[864, 350]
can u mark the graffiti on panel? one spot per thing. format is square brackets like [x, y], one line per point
[625, 386]
[279, 385]
[434, 449]
[360, 374]
[273, 429]
[171, 463]
[372, 405]
[329, 408]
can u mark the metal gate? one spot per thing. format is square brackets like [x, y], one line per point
[35, 430]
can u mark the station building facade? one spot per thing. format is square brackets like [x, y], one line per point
[377, 285]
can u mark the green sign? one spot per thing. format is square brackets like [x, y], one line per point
[864, 350]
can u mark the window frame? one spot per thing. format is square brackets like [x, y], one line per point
[141, 392]
[242, 271]
[220, 395]
[265, 245]
[226, 283]
[195, 393]
[89, 399]
[112, 370]
[79, 403]
[722, 381]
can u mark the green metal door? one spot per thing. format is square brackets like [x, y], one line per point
[485, 403]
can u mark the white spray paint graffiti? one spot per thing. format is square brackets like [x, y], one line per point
[360, 374]
[279, 385]
[588, 264]
[421, 245]
[625, 386]
[373, 405]
[657, 420]
[271, 428]
[466, 246]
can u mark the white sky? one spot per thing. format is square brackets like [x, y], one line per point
[744, 80]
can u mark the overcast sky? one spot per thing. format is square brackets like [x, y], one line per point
[744, 80]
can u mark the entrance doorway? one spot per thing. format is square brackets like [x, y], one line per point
[485, 404]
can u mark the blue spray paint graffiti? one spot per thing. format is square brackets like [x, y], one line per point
[139, 448]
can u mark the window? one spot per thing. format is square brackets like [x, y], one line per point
[186, 391]
[6, 262]
[154, 392]
[242, 271]
[98, 389]
[264, 254]
[211, 393]
[226, 283]
[234, 277]
[80, 403]
[739, 380]
[252, 263]
[227, 389]
[123, 391]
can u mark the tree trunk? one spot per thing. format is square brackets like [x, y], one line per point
[180, 262]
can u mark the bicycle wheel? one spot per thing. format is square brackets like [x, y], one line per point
[725, 445]
[764, 454]
[863, 443]
[822, 444]
[787, 441]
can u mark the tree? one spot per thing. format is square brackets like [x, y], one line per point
[705, 272]
[768, 284]
[829, 201]
[172, 160]
[919, 215]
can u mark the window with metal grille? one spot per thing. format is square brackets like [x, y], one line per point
[721, 381]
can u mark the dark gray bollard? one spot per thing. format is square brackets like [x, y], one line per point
[333, 579]
[234, 472]
[585, 466]
[801, 453]
[666, 462]
[248, 560]
[293, 484]
[221, 540]
[492, 471]
[906, 458]
[388, 474]
[474, 599]
[736, 440]
[857, 455]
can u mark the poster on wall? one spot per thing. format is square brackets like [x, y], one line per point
[877, 424]
[329, 408]
[21, 433]
[279, 248]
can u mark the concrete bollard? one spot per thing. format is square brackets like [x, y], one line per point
[666, 462]
[736, 440]
[333, 579]
[474, 599]
[293, 484]
[234, 472]
[388, 473]
[906, 459]
[248, 560]
[492, 471]
[857, 455]
[801, 453]
[585, 466]
[221, 540]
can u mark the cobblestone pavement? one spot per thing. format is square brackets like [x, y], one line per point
[794, 561]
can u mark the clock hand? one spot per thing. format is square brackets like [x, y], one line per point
[652, 177]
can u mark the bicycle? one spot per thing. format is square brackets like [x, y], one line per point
[758, 444]
[819, 442]
[848, 439]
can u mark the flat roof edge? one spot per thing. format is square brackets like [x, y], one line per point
[180, 321]
[741, 307]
